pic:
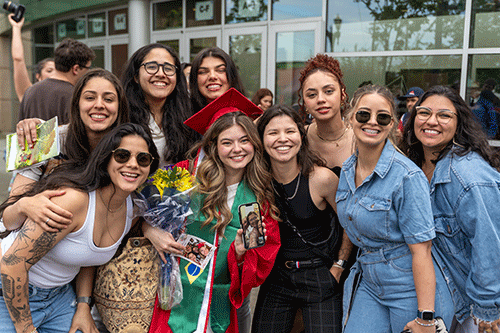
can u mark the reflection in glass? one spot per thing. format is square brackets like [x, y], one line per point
[294, 9]
[485, 24]
[203, 12]
[167, 15]
[173, 43]
[238, 11]
[481, 67]
[293, 49]
[246, 52]
[99, 56]
[364, 25]
[72, 28]
[97, 25]
[401, 73]
[198, 44]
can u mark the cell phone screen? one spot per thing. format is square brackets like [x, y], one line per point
[251, 223]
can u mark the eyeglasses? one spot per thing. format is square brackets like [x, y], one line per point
[86, 67]
[122, 156]
[383, 119]
[442, 116]
[153, 67]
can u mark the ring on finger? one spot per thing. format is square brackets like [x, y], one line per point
[47, 220]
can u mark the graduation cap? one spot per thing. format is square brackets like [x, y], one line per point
[231, 101]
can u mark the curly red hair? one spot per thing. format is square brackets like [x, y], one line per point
[321, 62]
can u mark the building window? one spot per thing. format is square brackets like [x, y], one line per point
[400, 73]
[485, 24]
[364, 25]
[44, 42]
[97, 25]
[238, 11]
[203, 13]
[167, 15]
[295, 9]
[73, 28]
[481, 68]
[118, 21]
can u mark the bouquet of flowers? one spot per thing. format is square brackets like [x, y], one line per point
[164, 202]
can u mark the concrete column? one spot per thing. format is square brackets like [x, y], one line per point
[139, 23]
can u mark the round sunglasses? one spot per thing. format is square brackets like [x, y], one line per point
[383, 119]
[122, 155]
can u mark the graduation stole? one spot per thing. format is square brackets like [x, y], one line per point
[195, 283]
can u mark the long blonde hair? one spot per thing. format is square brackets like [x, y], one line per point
[212, 176]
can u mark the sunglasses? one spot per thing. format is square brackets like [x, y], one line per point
[383, 119]
[122, 156]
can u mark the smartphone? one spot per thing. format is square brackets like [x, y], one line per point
[251, 223]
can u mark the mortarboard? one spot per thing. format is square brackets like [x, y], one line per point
[231, 101]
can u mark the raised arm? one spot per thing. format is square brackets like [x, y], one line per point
[21, 77]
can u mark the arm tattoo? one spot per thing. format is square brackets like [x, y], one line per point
[41, 246]
[20, 312]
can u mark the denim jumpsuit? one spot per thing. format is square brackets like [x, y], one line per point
[389, 210]
[465, 196]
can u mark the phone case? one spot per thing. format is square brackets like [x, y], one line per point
[253, 235]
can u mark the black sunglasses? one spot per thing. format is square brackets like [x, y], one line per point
[383, 119]
[122, 156]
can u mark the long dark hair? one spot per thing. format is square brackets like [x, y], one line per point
[468, 137]
[306, 158]
[76, 144]
[260, 94]
[176, 109]
[198, 101]
[94, 173]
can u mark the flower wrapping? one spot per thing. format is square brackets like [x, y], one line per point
[164, 202]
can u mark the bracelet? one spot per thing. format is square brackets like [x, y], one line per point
[338, 266]
[426, 325]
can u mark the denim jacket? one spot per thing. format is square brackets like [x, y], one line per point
[465, 195]
[391, 207]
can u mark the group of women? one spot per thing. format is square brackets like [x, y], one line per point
[343, 168]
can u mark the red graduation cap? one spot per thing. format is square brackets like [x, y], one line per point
[231, 101]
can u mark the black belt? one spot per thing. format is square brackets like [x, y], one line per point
[311, 263]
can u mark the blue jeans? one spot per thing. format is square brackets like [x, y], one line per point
[52, 310]
[386, 300]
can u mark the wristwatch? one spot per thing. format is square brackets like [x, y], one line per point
[425, 315]
[88, 300]
[341, 263]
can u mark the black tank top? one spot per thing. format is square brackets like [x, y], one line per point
[313, 224]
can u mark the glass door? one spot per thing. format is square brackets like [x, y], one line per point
[172, 39]
[290, 46]
[248, 48]
[195, 41]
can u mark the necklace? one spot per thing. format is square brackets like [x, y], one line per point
[334, 140]
[296, 189]
[105, 205]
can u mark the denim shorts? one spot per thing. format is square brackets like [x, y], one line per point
[52, 309]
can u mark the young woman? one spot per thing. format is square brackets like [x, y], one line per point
[384, 206]
[44, 68]
[37, 266]
[324, 96]
[213, 72]
[308, 267]
[232, 173]
[443, 138]
[263, 98]
[98, 105]
[157, 93]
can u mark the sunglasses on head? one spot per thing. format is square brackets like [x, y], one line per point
[122, 156]
[383, 119]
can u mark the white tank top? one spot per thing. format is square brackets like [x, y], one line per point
[62, 263]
